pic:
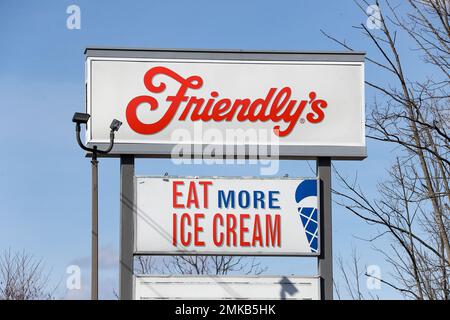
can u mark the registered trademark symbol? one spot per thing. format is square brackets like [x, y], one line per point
[302, 120]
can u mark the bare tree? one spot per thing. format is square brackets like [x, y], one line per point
[196, 265]
[213, 265]
[145, 264]
[353, 275]
[22, 277]
[413, 114]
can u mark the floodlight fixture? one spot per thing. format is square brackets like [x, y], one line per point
[115, 125]
[79, 117]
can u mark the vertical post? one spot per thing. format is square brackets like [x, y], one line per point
[126, 226]
[325, 259]
[94, 236]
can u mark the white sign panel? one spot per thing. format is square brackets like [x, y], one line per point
[225, 216]
[305, 104]
[210, 287]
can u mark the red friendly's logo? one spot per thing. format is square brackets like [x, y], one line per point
[277, 106]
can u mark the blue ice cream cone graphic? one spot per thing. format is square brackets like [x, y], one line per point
[306, 198]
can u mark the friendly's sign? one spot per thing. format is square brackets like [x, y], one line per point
[226, 216]
[304, 104]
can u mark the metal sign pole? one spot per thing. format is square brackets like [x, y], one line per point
[94, 237]
[325, 260]
[126, 226]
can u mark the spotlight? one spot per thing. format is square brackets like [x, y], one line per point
[79, 117]
[115, 125]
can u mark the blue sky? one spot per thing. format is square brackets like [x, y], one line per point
[44, 177]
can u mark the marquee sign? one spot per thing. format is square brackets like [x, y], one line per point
[226, 287]
[305, 104]
[226, 216]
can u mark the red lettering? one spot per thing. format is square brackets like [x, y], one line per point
[257, 236]
[282, 108]
[192, 196]
[231, 230]
[243, 230]
[198, 229]
[193, 82]
[316, 106]
[190, 229]
[217, 236]
[254, 114]
[176, 194]
[273, 232]
[185, 220]
[174, 229]
[205, 185]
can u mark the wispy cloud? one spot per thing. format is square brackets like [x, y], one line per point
[108, 275]
[108, 258]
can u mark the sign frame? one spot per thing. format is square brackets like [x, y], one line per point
[323, 156]
[163, 150]
[212, 253]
